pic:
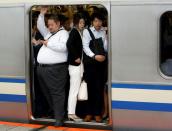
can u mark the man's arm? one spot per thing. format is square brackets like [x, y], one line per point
[41, 23]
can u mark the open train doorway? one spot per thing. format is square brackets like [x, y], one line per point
[88, 112]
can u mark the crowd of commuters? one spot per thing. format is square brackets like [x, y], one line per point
[62, 43]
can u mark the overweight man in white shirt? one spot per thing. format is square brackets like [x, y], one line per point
[52, 58]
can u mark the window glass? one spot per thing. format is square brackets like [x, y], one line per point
[12, 45]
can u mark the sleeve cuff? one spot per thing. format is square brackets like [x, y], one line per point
[92, 54]
[42, 15]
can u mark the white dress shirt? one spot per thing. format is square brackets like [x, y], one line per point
[56, 50]
[87, 38]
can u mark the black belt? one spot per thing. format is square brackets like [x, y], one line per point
[51, 65]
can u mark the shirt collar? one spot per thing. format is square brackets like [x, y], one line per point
[102, 29]
[61, 28]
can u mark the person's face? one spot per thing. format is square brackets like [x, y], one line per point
[90, 11]
[81, 24]
[67, 25]
[97, 23]
[53, 26]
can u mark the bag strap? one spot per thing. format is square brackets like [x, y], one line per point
[91, 34]
[54, 34]
[81, 65]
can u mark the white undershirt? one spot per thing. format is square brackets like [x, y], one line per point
[56, 50]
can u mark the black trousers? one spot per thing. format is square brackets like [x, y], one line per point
[95, 75]
[52, 82]
[40, 106]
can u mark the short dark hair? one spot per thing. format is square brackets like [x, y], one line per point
[63, 18]
[98, 16]
[54, 17]
[76, 18]
[96, 9]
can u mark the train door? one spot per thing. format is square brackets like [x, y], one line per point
[40, 108]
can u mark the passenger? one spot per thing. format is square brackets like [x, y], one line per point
[75, 50]
[94, 68]
[40, 105]
[166, 67]
[52, 68]
[105, 115]
[92, 9]
[84, 12]
[67, 24]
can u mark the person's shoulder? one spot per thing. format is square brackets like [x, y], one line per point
[103, 29]
[74, 31]
[63, 31]
[85, 31]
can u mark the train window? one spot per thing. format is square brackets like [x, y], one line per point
[66, 14]
[12, 45]
[166, 43]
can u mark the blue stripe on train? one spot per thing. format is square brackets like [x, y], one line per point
[142, 86]
[13, 98]
[146, 106]
[12, 80]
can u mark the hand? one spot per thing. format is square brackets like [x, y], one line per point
[44, 10]
[36, 42]
[39, 42]
[78, 60]
[100, 58]
[44, 42]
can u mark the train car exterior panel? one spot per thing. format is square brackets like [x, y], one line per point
[141, 95]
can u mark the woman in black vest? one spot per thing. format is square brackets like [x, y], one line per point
[75, 50]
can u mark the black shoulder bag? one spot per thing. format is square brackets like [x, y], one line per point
[96, 45]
